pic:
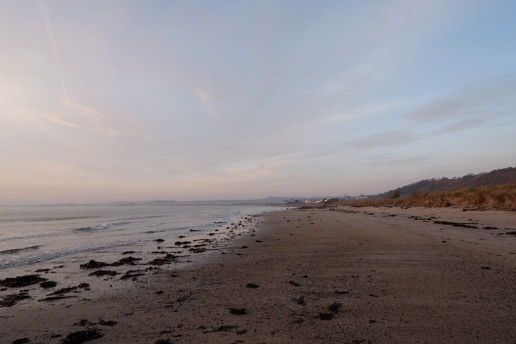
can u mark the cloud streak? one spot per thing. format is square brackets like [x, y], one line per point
[45, 16]
[489, 98]
[380, 140]
[87, 118]
[464, 124]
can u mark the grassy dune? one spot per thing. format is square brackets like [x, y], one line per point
[488, 197]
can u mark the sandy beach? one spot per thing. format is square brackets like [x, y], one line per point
[336, 275]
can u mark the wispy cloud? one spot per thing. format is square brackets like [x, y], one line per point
[61, 120]
[379, 140]
[390, 160]
[485, 99]
[235, 180]
[88, 118]
[45, 16]
[464, 124]
[81, 117]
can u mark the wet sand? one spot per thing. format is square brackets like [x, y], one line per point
[340, 275]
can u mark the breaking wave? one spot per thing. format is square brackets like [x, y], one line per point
[101, 227]
[16, 250]
[33, 259]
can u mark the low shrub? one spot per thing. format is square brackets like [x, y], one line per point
[488, 197]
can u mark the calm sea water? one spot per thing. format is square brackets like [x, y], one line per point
[29, 235]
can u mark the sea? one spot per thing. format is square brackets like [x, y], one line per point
[31, 235]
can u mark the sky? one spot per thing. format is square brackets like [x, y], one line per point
[194, 100]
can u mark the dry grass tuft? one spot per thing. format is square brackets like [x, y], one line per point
[484, 197]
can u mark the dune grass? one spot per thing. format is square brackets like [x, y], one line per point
[483, 197]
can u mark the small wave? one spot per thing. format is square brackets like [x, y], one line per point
[102, 227]
[47, 219]
[40, 235]
[97, 228]
[16, 250]
[33, 259]
[146, 217]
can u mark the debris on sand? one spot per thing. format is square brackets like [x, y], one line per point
[325, 316]
[126, 261]
[165, 260]
[357, 341]
[100, 273]
[53, 298]
[223, 328]
[83, 322]
[132, 274]
[294, 283]
[456, 224]
[163, 341]
[86, 322]
[159, 261]
[62, 291]
[11, 300]
[21, 341]
[334, 307]
[21, 281]
[300, 301]
[252, 285]
[48, 284]
[107, 322]
[92, 264]
[82, 336]
[341, 292]
[238, 311]
[197, 249]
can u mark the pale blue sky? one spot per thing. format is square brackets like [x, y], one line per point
[139, 100]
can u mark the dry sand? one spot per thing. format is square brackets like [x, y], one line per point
[341, 275]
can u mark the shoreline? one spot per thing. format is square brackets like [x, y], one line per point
[34, 237]
[76, 280]
[341, 275]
